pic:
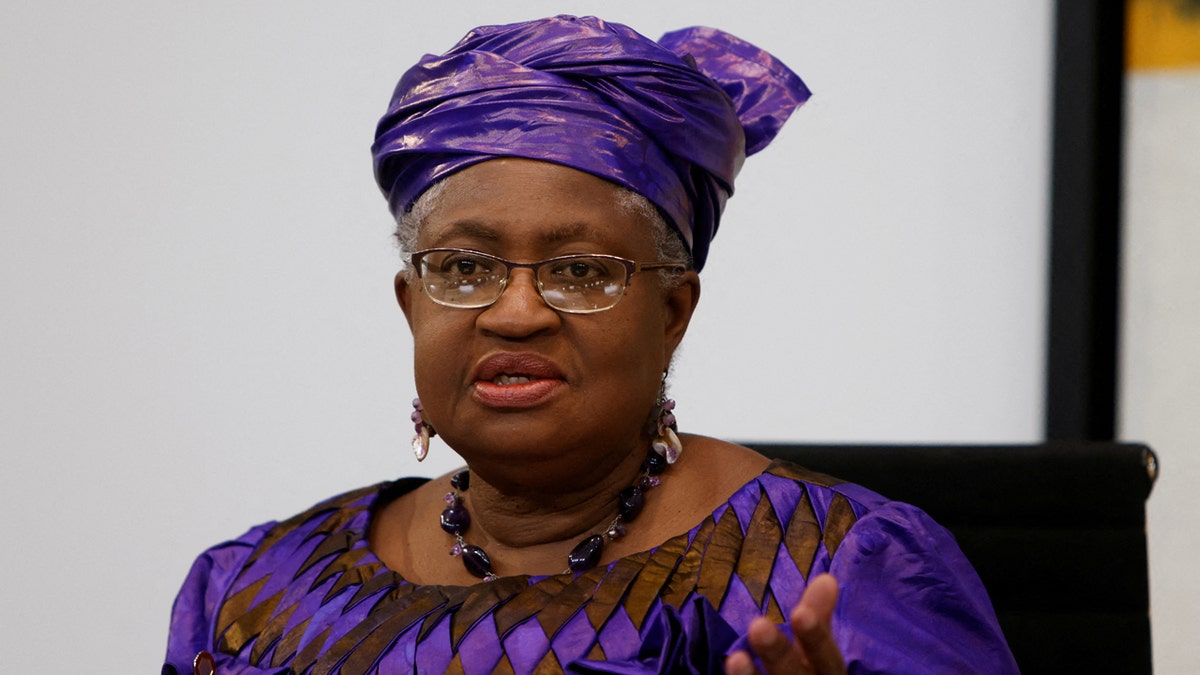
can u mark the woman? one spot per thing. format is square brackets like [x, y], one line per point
[556, 184]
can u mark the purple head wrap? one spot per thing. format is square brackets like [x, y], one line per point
[671, 120]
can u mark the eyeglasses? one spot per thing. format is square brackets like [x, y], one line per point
[576, 284]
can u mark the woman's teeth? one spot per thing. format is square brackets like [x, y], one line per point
[504, 380]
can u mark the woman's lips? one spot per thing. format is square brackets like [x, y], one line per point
[516, 380]
[525, 394]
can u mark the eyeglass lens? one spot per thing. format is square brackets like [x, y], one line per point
[574, 284]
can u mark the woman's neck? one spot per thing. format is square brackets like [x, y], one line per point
[513, 515]
[533, 533]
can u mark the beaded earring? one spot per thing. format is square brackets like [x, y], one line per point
[420, 442]
[664, 438]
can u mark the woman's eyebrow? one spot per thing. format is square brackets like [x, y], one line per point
[470, 228]
[568, 232]
[475, 229]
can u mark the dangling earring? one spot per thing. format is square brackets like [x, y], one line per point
[420, 443]
[665, 441]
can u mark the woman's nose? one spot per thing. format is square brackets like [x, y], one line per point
[520, 310]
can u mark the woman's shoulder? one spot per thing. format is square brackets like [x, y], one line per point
[274, 552]
[800, 499]
[722, 465]
[818, 482]
[349, 511]
[737, 467]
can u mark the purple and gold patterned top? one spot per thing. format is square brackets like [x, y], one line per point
[308, 596]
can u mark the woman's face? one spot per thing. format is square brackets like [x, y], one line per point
[519, 384]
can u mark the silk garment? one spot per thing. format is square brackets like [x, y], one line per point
[308, 596]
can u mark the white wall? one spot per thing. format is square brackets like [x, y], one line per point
[1160, 364]
[197, 330]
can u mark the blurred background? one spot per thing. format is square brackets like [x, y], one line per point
[197, 326]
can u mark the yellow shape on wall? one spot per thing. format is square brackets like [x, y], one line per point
[1162, 34]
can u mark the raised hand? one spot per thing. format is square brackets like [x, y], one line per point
[812, 652]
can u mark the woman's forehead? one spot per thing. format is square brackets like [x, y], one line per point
[518, 176]
[533, 202]
[485, 230]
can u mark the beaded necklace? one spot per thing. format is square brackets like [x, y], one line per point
[456, 520]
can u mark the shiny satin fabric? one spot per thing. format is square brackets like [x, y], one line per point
[672, 120]
[309, 595]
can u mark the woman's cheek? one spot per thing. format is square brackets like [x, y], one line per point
[440, 355]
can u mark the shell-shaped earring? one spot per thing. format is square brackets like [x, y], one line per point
[420, 442]
[666, 440]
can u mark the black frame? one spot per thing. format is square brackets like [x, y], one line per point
[1081, 357]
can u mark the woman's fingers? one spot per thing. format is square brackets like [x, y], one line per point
[771, 647]
[777, 653]
[811, 624]
[739, 663]
[813, 652]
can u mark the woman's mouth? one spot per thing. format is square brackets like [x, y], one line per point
[505, 380]
[515, 391]
[516, 380]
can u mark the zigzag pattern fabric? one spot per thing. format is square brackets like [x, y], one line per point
[308, 595]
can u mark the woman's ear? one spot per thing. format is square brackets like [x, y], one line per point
[681, 300]
[404, 291]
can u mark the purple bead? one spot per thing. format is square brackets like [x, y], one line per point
[456, 549]
[655, 463]
[204, 664]
[648, 482]
[629, 503]
[417, 404]
[415, 417]
[586, 554]
[461, 480]
[451, 499]
[456, 520]
[476, 561]
[668, 420]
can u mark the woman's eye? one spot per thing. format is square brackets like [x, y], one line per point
[575, 270]
[464, 266]
[580, 270]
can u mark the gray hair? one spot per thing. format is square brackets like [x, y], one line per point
[668, 245]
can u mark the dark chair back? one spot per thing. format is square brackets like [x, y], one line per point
[1056, 531]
